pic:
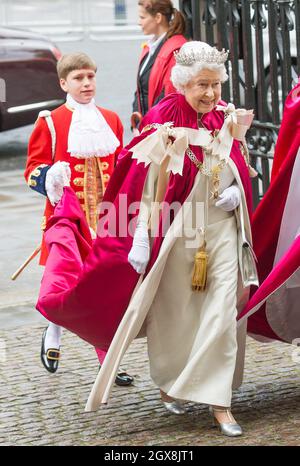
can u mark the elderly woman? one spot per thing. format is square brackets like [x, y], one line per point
[180, 285]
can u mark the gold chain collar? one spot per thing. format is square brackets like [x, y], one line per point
[214, 171]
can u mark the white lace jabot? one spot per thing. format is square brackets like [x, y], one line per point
[89, 133]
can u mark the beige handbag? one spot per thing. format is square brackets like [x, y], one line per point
[246, 255]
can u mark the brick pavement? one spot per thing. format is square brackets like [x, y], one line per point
[38, 408]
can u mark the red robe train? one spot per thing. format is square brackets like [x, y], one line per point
[289, 128]
[269, 310]
[40, 155]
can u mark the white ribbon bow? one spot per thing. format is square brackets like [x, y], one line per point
[160, 144]
[171, 142]
[235, 126]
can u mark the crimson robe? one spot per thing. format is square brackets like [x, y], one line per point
[87, 289]
[289, 128]
[268, 228]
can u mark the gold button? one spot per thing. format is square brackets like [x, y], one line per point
[43, 225]
[79, 167]
[78, 181]
[32, 182]
[104, 165]
[36, 172]
[106, 177]
[80, 195]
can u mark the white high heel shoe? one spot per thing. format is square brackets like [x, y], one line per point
[232, 428]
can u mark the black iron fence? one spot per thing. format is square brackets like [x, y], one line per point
[263, 38]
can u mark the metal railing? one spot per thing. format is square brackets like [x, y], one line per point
[263, 39]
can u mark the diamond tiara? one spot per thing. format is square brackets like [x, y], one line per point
[203, 56]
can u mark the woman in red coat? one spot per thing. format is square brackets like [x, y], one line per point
[166, 25]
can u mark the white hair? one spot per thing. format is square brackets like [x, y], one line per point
[182, 74]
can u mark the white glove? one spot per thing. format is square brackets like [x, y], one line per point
[230, 198]
[139, 254]
[57, 177]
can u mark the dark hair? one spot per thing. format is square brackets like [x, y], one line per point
[165, 7]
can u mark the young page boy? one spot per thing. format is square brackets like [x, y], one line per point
[75, 145]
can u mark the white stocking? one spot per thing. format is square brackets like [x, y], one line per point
[53, 336]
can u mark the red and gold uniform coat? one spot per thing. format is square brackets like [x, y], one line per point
[89, 177]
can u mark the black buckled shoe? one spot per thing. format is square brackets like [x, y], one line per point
[122, 379]
[49, 358]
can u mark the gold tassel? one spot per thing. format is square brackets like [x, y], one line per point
[200, 269]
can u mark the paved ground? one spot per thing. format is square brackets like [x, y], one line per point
[38, 408]
[21, 213]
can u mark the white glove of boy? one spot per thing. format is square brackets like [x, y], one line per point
[139, 254]
[57, 177]
[230, 198]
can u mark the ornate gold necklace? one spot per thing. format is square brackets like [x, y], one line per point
[212, 172]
